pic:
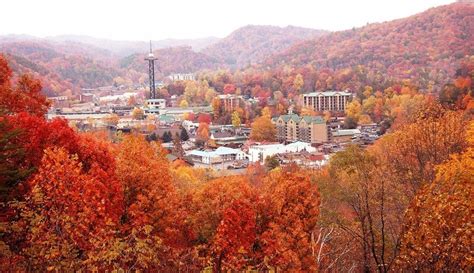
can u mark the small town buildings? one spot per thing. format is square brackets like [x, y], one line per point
[59, 102]
[78, 116]
[228, 139]
[335, 101]
[308, 129]
[122, 110]
[182, 77]
[230, 102]
[345, 135]
[121, 98]
[155, 105]
[306, 159]
[87, 97]
[258, 153]
[220, 155]
[178, 112]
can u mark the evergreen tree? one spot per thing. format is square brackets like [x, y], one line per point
[184, 134]
[167, 137]
[10, 157]
[151, 137]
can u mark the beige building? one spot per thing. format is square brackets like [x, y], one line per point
[335, 101]
[230, 102]
[306, 129]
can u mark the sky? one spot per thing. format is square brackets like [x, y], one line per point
[178, 19]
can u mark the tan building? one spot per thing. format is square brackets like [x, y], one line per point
[230, 102]
[335, 101]
[59, 102]
[307, 129]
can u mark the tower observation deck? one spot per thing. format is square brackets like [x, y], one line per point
[151, 72]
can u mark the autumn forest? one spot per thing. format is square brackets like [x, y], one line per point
[80, 200]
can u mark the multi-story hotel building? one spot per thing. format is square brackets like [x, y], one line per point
[335, 101]
[308, 129]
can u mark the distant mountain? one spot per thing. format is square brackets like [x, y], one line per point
[252, 44]
[425, 48]
[125, 48]
[63, 69]
[171, 60]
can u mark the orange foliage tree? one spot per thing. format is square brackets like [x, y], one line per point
[24, 96]
[292, 201]
[153, 219]
[68, 213]
[263, 129]
[438, 225]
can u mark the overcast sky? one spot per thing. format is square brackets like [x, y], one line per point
[161, 19]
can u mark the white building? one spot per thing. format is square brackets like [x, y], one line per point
[221, 154]
[113, 98]
[182, 77]
[258, 153]
[154, 105]
[189, 125]
[345, 135]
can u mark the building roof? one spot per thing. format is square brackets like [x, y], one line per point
[218, 152]
[267, 146]
[219, 135]
[329, 93]
[171, 157]
[316, 119]
[296, 118]
[293, 117]
[202, 153]
[166, 118]
[298, 144]
[346, 132]
[226, 151]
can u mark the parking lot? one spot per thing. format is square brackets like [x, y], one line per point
[221, 167]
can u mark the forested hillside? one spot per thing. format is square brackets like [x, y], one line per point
[171, 60]
[63, 69]
[251, 44]
[425, 48]
[126, 48]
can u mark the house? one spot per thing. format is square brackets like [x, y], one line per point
[308, 129]
[335, 101]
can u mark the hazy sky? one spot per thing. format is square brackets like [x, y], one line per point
[144, 20]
